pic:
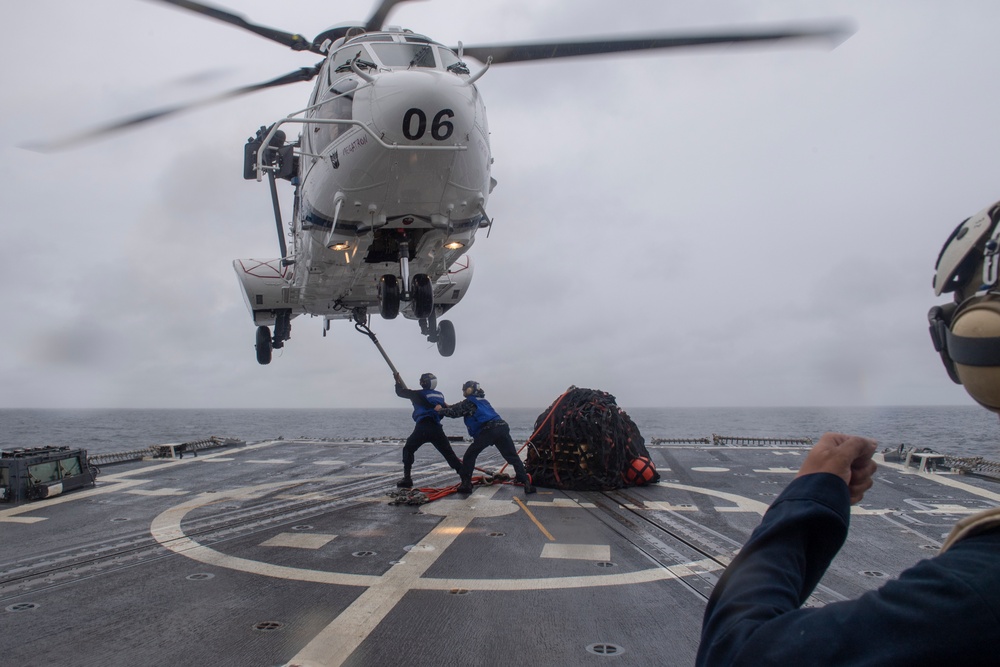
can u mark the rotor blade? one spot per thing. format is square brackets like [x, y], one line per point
[381, 12]
[509, 53]
[302, 74]
[295, 42]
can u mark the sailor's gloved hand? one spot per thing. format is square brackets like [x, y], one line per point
[847, 456]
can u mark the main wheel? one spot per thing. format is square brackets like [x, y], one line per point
[446, 338]
[423, 295]
[388, 296]
[263, 346]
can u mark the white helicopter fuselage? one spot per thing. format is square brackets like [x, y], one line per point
[392, 178]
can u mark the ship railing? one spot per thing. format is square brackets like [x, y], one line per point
[731, 440]
[680, 441]
[164, 451]
[760, 442]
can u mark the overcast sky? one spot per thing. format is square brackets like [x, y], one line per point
[752, 226]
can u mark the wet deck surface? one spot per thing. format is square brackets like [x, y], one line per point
[288, 552]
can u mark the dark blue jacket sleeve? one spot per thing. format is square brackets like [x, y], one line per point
[941, 611]
[415, 397]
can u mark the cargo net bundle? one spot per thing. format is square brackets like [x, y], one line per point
[585, 442]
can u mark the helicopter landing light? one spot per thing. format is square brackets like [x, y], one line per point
[454, 245]
[339, 245]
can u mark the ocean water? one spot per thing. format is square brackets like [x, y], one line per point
[957, 430]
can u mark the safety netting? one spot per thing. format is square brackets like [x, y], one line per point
[585, 442]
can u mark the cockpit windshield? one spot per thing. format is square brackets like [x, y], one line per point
[342, 59]
[396, 54]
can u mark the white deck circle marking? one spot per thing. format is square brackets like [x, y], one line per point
[166, 529]
[333, 645]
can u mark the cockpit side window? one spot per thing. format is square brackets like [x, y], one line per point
[404, 55]
[339, 105]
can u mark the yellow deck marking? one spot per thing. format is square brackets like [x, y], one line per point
[536, 521]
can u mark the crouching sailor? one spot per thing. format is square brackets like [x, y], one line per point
[427, 427]
[486, 428]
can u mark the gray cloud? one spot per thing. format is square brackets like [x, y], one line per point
[733, 227]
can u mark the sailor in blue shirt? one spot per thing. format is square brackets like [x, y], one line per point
[427, 426]
[486, 428]
[942, 611]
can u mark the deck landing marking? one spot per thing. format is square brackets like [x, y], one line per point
[782, 470]
[334, 644]
[476, 505]
[595, 552]
[568, 503]
[669, 507]
[328, 462]
[709, 469]
[299, 540]
[158, 492]
[337, 641]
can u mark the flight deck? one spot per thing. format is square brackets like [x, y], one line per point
[291, 552]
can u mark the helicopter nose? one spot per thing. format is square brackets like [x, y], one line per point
[423, 108]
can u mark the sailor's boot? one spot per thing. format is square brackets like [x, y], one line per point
[405, 483]
[528, 486]
[466, 486]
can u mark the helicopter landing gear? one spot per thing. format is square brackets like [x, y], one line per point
[423, 295]
[266, 342]
[263, 346]
[443, 334]
[446, 338]
[388, 296]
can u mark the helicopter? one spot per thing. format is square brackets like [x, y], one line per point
[390, 167]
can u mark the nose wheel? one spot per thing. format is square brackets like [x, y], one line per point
[422, 294]
[388, 296]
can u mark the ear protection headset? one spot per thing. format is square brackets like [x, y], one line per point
[472, 388]
[967, 332]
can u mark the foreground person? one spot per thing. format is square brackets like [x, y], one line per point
[486, 428]
[427, 426]
[942, 611]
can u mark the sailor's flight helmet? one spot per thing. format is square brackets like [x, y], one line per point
[428, 381]
[472, 388]
[967, 332]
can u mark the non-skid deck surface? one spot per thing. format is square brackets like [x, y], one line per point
[288, 552]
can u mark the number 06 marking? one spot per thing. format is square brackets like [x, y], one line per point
[441, 128]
